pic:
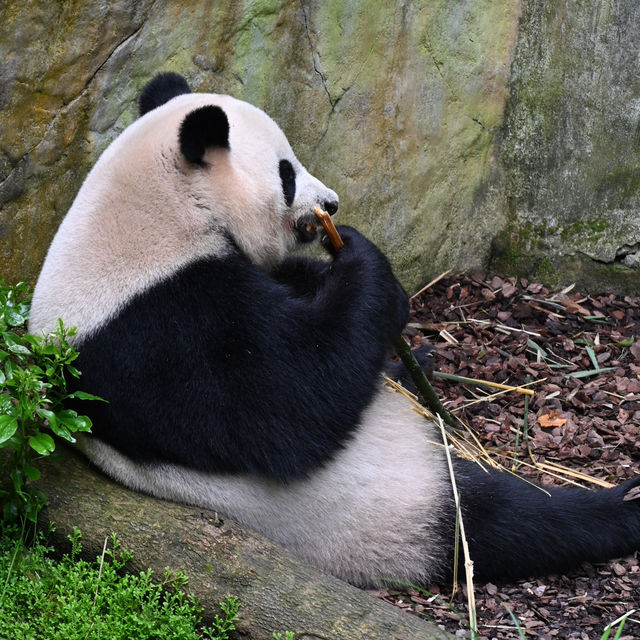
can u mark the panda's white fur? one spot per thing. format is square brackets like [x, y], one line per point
[248, 382]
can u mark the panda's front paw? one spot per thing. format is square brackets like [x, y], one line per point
[391, 298]
[354, 242]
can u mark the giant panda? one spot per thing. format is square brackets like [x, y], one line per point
[245, 379]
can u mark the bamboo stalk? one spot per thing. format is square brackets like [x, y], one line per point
[420, 380]
[329, 227]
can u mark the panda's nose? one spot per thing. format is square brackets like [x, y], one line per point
[330, 207]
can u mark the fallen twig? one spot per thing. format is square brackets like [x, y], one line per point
[495, 385]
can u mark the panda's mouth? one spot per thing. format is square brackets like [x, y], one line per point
[305, 231]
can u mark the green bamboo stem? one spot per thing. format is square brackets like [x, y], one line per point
[420, 380]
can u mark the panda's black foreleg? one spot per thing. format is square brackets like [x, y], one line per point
[398, 372]
[303, 275]
[516, 530]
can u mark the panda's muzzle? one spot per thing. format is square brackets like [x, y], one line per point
[306, 229]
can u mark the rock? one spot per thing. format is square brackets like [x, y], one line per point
[395, 106]
[399, 107]
[572, 144]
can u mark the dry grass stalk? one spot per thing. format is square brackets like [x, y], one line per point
[469, 447]
[486, 383]
[505, 328]
[468, 562]
[492, 396]
[434, 281]
[564, 473]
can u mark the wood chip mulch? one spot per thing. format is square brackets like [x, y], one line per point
[582, 352]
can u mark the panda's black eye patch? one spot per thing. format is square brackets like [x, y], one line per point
[288, 179]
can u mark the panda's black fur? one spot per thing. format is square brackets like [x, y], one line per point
[266, 360]
[247, 381]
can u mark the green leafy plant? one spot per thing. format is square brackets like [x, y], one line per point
[71, 599]
[33, 390]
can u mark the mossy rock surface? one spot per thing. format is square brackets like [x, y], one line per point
[440, 124]
[395, 106]
[571, 145]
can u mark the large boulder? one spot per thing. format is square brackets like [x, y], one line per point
[572, 145]
[394, 106]
[449, 129]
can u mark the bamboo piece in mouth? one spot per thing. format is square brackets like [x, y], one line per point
[329, 228]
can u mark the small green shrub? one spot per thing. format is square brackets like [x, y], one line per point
[72, 599]
[33, 390]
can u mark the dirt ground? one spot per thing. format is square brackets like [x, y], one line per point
[581, 356]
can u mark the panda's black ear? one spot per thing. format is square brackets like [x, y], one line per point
[160, 90]
[202, 129]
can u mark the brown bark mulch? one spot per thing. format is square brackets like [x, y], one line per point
[582, 352]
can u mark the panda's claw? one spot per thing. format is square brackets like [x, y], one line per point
[632, 494]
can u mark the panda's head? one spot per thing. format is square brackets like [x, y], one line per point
[196, 176]
[230, 165]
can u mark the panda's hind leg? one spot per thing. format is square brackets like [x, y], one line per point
[518, 530]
